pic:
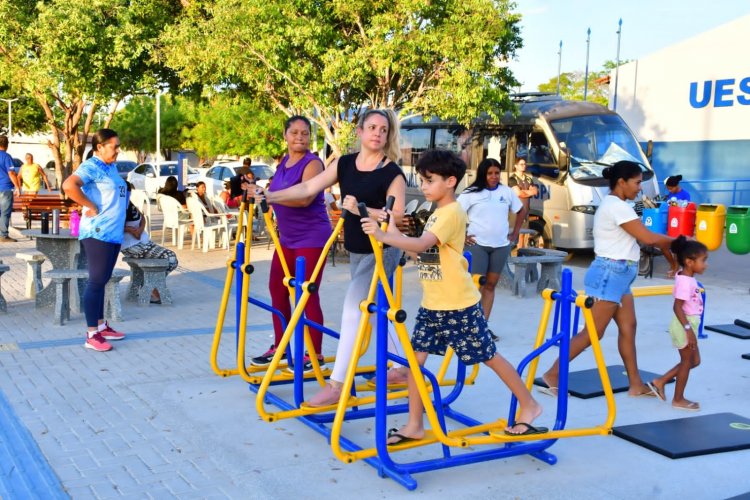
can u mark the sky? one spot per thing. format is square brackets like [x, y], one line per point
[647, 26]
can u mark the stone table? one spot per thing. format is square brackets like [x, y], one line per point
[64, 252]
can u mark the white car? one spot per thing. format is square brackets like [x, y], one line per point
[150, 177]
[222, 172]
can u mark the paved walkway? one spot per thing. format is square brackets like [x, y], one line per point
[151, 420]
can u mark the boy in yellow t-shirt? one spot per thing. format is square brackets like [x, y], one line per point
[450, 313]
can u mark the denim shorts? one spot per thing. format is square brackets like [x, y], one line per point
[465, 330]
[609, 279]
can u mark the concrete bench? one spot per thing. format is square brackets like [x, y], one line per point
[34, 260]
[3, 304]
[148, 274]
[60, 280]
[526, 269]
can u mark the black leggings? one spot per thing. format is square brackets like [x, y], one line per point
[102, 257]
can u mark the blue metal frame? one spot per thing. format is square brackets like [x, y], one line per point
[403, 472]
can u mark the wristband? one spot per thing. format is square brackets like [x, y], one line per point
[687, 326]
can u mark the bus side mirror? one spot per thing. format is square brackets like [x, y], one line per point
[563, 162]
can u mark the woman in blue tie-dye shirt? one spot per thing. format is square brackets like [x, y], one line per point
[98, 188]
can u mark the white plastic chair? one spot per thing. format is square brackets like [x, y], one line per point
[141, 201]
[172, 209]
[410, 207]
[427, 205]
[222, 208]
[207, 226]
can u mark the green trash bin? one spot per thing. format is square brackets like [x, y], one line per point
[738, 229]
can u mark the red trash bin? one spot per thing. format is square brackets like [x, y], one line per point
[681, 220]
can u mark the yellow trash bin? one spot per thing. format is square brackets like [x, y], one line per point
[709, 225]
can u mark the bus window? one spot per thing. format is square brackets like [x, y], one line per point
[414, 142]
[539, 152]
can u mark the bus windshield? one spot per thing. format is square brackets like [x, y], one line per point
[595, 142]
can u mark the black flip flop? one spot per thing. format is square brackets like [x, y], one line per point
[401, 438]
[155, 301]
[530, 430]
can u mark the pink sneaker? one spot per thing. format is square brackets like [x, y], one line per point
[97, 343]
[110, 334]
[330, 395]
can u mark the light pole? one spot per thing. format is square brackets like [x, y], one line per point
[559, 65]
[158, 125]
[586, 75]
[10, 117]
[617, 62]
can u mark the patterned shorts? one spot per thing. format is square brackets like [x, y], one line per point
[465, 330]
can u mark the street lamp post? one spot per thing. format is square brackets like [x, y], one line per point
[617, 62]
[10, 116]
[158, 125]
[559, 65]
[586, 75]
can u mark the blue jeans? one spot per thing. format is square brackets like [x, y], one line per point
[609, 279]
[6, 208]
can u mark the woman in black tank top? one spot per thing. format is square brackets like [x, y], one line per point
[369, 176]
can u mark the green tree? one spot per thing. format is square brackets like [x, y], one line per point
[330, 59]
[237, 126]
[74, 56]
[572, 84]
[27, 115]
[136, 124]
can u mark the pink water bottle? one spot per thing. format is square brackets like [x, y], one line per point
[75, 222]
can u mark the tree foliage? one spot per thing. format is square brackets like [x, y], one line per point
[330, 59]
[572, 84]
[73, 56]
[136, 124]
[237, 126]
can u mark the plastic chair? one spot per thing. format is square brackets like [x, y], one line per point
[141, 201]
[411, 207]
[222, 208]
[172, 209]
[207, 226]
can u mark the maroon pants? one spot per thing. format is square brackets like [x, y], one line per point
[280, 293]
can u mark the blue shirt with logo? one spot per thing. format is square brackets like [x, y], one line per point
[6, 165]
[679, 195]
[106, 189]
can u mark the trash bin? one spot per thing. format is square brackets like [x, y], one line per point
[709, 225]
[681, 220]
[655, 219]
[738, 229]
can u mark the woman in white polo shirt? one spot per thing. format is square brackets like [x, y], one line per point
[487, 204]
[617, 231]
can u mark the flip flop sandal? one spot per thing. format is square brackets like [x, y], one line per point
[530, 430]
[401, 438]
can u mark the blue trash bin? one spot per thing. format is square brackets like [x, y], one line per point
[656, 219]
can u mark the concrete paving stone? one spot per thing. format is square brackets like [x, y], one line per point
[80, 492]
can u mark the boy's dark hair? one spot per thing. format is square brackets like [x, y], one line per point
[3, 142]
[441, 162]
[684, 249]
[247, 162]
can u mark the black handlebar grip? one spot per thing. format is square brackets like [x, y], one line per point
[264, 206]
[389, 202]
[244, 196]
[362, 210]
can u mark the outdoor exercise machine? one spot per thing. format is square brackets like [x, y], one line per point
[240, 269]
[384, 301]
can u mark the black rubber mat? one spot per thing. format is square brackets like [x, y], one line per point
[731, 329]
[691, 436]
[586, 384]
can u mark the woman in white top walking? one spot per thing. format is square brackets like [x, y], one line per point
[487, 204]
[617, 231]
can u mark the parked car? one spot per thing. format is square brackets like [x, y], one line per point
[222, 172]
[124, 167]
[150, 177]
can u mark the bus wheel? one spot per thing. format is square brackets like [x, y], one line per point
[543, 236]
